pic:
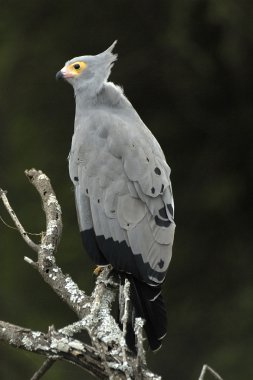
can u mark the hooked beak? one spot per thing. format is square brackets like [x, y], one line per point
[59, 75]
[64, 74]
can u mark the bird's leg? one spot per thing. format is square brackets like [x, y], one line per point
[99, 269]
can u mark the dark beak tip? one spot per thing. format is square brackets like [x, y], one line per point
[59, 75]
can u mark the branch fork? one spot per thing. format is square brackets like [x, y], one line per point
[107, 356]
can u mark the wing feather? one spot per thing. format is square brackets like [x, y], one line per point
[126, 184]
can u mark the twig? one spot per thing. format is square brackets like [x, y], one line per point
[125, 316]
[140, 358]
[16, 229]
[206, 368]
[124, 321]
[44, 368]
[19, 226]
[30, 261]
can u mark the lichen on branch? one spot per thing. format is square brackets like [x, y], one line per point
[107, 356]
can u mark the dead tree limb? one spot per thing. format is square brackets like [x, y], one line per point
[44, 368]
[206, 369]
[107, 357]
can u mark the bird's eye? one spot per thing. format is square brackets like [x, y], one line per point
[77, 68]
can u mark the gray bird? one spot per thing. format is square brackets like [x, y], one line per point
[123, 191]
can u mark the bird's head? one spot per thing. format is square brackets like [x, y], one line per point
[88, 72]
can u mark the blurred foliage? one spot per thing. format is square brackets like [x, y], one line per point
[187, 67]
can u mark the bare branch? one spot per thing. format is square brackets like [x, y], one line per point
[19, 226]
[44, 368]
[140, 358]
[31, 262]
[62, 284]
[125, 316]
[51, 208]
[66, 348]
[205, 369]
[109, 358]
[70, 350]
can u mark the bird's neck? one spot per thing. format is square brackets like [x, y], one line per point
[86, 96]
[84, 100]
[109, 96]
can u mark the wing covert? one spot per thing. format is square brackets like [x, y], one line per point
[127, 186]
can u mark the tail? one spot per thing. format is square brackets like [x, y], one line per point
[147, 303]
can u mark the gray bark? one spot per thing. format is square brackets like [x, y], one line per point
[107, 357]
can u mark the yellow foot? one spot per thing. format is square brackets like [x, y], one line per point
[99, 269]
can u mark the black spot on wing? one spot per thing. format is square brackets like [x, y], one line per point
[161, 264]
[170, 208]
[163, 213]
[162, 188]
[76, 179]
[157, 171]
[152, 190]
[161, 222]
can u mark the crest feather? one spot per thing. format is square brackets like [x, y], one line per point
[107, 55]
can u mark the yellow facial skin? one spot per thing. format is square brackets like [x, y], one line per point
[75, 69]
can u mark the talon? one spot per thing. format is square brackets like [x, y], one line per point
[98, 270]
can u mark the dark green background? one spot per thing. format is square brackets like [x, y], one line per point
[187, 67]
